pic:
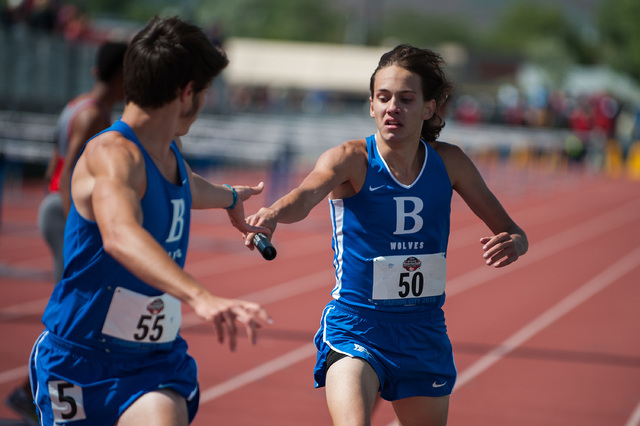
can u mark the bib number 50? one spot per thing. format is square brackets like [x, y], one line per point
[413, 288]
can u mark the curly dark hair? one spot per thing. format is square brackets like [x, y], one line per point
[435, 85]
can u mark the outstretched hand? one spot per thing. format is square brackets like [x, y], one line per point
[500, 250]
[223, 314]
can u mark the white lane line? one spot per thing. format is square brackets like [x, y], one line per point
[573, 300]
[14, 374]
[551, 246]
[590, 288]
[484, 274]
[212, 266]
[274, 294]
[261, 371]
[32, 307]
[634, 420]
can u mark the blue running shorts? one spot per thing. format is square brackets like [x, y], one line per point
[411, 353]
[73, 383]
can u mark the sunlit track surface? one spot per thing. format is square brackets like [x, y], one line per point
[551, 340]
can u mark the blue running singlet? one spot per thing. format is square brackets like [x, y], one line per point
[390, 239]
[390, 243]
[106, 331]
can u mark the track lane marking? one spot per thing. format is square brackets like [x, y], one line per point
[634, 420]
[600, 282]
[550, 246]
[259, 372]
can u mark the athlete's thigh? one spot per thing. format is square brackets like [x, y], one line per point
[422, 411]
[163, 408]
[351, 390]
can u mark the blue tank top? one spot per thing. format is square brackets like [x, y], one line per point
[92, 281]
[390, 239]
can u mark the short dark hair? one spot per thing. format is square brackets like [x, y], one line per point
[435, 85]
[166, 55]
[109, 59]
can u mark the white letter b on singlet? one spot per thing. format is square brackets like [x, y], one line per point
[402, 214]
[177, 224]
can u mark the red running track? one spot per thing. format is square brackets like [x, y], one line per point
[552, 340]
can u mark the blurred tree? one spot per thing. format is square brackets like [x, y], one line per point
[103, 7]
[620, 33]
[523, 25]
[553, 59]
[138, 10]
[300, 20]
[413, 27]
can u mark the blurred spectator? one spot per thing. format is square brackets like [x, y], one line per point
[468, 110]
[47, 16]
[605, 111]
[73, 23]
[42, 15]
[580, 118]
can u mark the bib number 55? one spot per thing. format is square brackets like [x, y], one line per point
[149, 327]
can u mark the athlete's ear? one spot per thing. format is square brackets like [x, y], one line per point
[429, 109]
[186, 91]
[371, 113]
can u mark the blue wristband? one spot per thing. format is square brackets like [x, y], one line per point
[235, 197]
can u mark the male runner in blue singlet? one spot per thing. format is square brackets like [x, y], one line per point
[390, 197]
[111, 352]
[84, 116]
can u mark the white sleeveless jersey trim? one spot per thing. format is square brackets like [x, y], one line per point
[337, 213]
[386, 166]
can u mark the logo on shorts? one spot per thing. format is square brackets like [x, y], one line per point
[411, 264]
[358, 348]
[155, 307]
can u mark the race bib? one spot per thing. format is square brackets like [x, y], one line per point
[138, 318]
[408, 280]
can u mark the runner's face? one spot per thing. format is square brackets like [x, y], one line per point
[397, 104]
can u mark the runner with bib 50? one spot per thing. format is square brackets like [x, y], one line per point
[390, 198]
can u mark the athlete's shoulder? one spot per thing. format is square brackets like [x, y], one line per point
[345, 153]
[355, 146]
[442, 147]
[457, 163]
[451, 154]
[113, 145]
